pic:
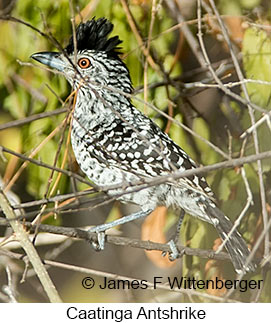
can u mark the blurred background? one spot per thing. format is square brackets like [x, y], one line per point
[168, 66]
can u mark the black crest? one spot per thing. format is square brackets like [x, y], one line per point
[93, 35]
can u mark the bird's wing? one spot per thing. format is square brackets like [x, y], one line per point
[142, 148]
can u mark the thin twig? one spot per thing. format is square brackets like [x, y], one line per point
[138, 37]
[123, 241]
[252, 117]
[32, 154]
[148, 53]
[242, 214]
[172, 5]
[42, 164]
[38, 116]
[172, 177]
[31, 252]
[9, 288]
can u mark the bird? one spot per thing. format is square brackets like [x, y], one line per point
[116, 145]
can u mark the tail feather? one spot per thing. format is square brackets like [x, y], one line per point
[235, 244]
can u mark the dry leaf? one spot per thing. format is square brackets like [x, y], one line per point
[235, 27]
[214, 270]
[153, 229]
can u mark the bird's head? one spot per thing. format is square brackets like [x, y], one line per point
[95, 62]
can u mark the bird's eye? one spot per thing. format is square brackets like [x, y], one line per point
[84, 62]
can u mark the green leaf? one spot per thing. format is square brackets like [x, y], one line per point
[208, 155]
[257, 64]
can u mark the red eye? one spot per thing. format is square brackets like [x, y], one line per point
[84, 62]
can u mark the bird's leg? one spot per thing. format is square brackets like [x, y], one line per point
[179, 225]
[100, 229]
[172, 243]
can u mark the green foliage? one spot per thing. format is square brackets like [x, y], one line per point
[257, 63]
[208, 155]
[236, 7]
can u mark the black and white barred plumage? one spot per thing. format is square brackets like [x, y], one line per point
[114, 143]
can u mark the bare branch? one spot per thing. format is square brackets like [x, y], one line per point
[31, 252]
[38, 116]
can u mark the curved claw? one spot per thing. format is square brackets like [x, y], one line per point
[98, 246]
[174, 253]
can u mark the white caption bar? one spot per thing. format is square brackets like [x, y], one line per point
[129, 312]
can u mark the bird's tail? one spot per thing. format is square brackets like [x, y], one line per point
[235, 244]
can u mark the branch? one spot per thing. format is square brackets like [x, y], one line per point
[148, 182]
[38, 116]
[121, 241]
[172, 177]
[30, 250]
[84, 234]
[42, 164]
